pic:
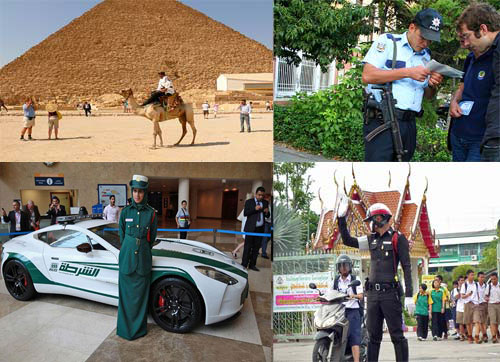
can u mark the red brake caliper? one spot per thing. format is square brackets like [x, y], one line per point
[25, 281]
[161, 301]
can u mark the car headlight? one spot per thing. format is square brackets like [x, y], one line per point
[217, 275]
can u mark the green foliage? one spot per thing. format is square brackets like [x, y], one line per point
[291, 186]
[311, 220]
[326, 121]
[288, 229]
[331, 122]
[461, 270]
[431, 145]
[323, 30]
[410, 321]
[489, 260]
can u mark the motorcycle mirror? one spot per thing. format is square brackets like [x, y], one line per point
[312, 286]
[355, 283]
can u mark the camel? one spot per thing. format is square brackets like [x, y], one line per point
[156, 114]
[2, 104]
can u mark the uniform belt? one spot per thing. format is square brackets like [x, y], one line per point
[382, 286]
[406, 115]
[401, 115]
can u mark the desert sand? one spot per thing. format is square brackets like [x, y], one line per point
[122, 137]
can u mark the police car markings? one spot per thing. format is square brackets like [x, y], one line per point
[215, 263]
[37, 276]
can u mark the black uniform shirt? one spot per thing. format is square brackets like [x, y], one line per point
[383, 263]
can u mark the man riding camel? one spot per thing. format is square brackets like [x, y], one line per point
[164, 90]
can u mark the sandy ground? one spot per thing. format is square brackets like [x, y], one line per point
[120, 137]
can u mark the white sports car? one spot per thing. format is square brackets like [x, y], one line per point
[191, 281]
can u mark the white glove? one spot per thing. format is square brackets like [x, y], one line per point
[343, 206]
[410, 305]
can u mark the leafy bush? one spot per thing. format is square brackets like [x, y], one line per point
[331, 122]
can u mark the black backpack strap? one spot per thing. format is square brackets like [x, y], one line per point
[336, 282]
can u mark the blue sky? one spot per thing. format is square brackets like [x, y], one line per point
[25, 23]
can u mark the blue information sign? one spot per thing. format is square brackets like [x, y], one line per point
[49, 181]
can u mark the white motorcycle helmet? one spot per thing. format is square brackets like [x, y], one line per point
[378, 209]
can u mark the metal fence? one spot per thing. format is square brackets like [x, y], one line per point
[306, 77]
[300, 325]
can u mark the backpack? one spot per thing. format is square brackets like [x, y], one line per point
[477, 288]
[361, 303]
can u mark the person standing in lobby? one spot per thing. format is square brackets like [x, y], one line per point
[256, 210]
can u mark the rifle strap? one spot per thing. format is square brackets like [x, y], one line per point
[394, 56]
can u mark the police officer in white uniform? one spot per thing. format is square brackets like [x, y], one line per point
[410, 79]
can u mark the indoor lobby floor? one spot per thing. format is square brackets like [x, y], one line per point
[62, 328]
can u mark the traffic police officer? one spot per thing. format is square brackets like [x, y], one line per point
[138, 225]
[410, 82]
[382, 288]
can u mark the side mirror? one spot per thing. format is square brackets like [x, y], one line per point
[84, 248]
[313, 286]
[355, 283]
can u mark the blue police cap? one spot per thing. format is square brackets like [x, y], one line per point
[430, 23]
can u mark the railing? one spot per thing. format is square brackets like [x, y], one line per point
[5, 236]
[306, 77]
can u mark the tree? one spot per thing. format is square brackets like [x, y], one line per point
[462, 270]
[292, 188]
[322, 30]
[489, 260]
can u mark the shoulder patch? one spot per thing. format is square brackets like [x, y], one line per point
[380, 47]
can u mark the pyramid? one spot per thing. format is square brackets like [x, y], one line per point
[124, 43]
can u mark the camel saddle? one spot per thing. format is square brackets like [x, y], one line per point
[170, 102]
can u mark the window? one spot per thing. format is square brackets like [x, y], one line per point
[109, 233]
[70, 239]
[468, 249]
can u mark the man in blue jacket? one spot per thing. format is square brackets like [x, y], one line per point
[475, 106]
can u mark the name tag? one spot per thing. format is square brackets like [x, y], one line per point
[129, 220]
[387, 242]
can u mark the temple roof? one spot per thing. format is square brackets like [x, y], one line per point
[409, 218]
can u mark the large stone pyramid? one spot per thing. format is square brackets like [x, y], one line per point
[124, 43]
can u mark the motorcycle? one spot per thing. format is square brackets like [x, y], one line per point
[333, 328]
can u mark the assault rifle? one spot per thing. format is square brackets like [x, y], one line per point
[387, 107]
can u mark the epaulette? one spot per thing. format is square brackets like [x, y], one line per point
[390, 36]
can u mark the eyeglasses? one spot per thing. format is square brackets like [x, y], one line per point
[463, 36]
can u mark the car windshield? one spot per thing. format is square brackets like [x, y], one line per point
[109, 233]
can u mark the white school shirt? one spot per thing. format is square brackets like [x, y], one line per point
[470, 288]
[460, 305]
[481, 293]
[494, 293]
[344, 287]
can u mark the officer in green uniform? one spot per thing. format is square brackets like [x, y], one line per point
[138, 225]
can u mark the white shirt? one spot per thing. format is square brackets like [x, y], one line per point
[471, 287]
[344, 287]
[166, 83]
[494, 293]
[18, 221]
[460, 305]
[260, 222]
[481, 293]
[111, 213]
[205, 106]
